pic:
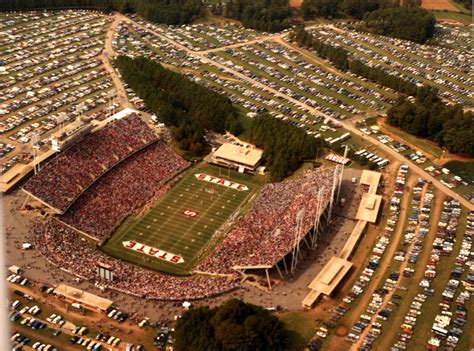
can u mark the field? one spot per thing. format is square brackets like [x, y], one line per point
[456, 17]
[184, 221]
[463, 169]
[438, 5]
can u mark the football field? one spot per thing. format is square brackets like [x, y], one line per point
[171, 236]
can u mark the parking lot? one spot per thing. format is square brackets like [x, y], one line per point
[444, 68]
[52, 73]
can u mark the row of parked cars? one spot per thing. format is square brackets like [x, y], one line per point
[198, 36]
[449, 324]
[17, 279]
[419, 64]
[116, 314]
[379, 308]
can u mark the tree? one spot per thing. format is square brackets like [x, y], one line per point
[428, 117]
[235, 325]
[161, 11]
[358, 8]
[265, 15]
[415, 24]
[185, 106]
[285, 146]
[319, 8]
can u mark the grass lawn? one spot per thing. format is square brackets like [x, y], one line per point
[463, 169]
[302, 326]
[461, 17]
[425, 145]
[184, 221]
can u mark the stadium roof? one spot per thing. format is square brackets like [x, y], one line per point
[330, 276]
[369, 207]
[83, 297]
[239, 154]
[370, 178]
[353, 239]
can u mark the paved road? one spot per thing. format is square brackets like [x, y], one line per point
[202, 55]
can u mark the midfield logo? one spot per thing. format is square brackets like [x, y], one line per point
[190, 213]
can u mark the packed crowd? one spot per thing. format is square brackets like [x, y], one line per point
[267, 232]
[126, 187]
[64, 178]
[62, 247]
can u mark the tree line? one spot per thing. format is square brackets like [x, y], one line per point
[466, 3]
[160, 11]
[285, 146]
[385, 17]
[428, 117]
[265, 15]
[340, 58]
[185, 106]
[235, 325]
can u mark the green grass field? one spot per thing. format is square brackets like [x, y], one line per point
[168, 228]
[463, 169]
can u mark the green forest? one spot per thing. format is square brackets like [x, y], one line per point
[235, 325]
[185, 106]
[340, 58]
[385, 17]
[265, 15]
[428, 117]
[285, 146]
[415, 24]
[161, 11]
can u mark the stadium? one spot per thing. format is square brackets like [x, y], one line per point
[124, 199]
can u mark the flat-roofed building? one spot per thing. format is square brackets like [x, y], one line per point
[327, 280]
[244, 159]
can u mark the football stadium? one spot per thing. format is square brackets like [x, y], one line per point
[122, 200]
[185, 221]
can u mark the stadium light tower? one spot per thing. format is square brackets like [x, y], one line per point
[111, 95]
[317, 217]
[297, 237]
[341, 174]
[335, 181]
[61, 118]
[35, 152]
[79, 109]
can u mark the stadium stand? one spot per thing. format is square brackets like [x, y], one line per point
[100, 209]
[266, 233]
[62, 247]
[67, 176]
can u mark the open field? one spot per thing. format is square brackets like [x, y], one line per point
[461, 168]
[184, 221]
[453, 16]
[296, 3]
[439, 5]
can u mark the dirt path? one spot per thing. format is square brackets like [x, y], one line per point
[108, 54]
